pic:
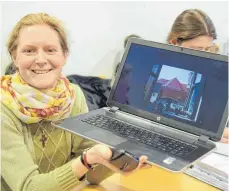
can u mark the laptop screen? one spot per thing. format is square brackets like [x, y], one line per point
[186, 88]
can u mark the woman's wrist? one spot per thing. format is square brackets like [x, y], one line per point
[84, 161]
[78, 168]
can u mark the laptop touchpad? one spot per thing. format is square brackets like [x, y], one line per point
[105, 137]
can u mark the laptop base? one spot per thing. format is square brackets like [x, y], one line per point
[159, 158]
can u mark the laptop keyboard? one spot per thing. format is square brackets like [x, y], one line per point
[133, 133]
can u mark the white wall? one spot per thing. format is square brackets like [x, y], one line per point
[97, 28]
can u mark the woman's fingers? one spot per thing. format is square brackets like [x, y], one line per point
[143, 159]
[223, 140]
[146, 166]
[225, 133]
[143, 162]
[225, 136]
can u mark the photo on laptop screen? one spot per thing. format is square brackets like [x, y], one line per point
[174, 92]
[174, 85]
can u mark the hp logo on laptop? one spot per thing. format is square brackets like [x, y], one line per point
[158, 118]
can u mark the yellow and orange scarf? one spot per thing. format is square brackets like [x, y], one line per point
[31, 105]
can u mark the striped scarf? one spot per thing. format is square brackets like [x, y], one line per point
[31, 105]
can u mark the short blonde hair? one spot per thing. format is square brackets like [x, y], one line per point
[34, 19]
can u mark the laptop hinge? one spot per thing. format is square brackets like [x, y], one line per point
[114, 109]
[203, 138]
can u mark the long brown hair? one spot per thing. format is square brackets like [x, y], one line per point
[191, 23]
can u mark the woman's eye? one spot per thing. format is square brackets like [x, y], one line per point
[28, 50]
[51, 50]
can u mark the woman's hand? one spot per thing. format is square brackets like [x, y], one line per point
[98, 153]
[225, 136]
[101, 154]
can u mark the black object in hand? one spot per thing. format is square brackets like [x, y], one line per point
[124, 160]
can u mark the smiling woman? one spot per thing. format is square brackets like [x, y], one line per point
[39, 52]
[32, 99]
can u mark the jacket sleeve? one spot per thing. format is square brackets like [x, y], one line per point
[19, 170]
[79, 144]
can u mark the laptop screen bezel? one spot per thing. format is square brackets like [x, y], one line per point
[155, 117]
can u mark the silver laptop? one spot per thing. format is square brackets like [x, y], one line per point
[167, 102]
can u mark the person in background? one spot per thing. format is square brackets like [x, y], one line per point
[119, 55]
[194, 29]
[36, 155]
[10, 69]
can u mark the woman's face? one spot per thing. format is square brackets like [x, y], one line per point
[39, 56]
[199, 43]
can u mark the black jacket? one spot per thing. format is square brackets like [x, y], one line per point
[96, 90]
